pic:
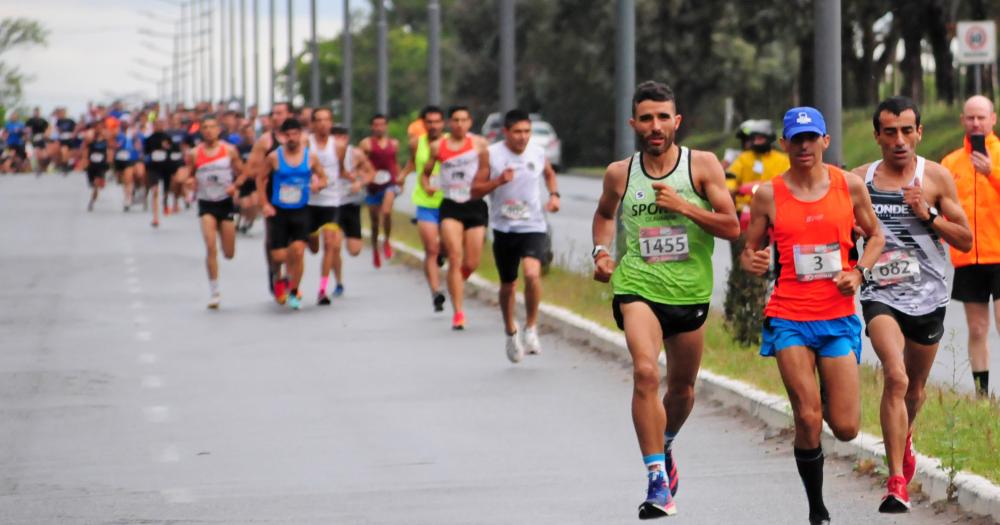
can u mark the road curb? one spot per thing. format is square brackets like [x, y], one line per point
[975, 493]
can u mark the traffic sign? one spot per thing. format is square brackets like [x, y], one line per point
[977, 42]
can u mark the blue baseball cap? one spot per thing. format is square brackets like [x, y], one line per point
[803, 120]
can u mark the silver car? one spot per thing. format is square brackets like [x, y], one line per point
[542, 134]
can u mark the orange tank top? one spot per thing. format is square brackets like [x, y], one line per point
[812, 242]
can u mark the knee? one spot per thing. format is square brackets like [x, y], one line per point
[978, 329]
[647, 378]
[681, 391]
[915, 394]
[532, 277]
[809, 420]
[211, 251]
[845, 430]
[896, 382]
[508, 288]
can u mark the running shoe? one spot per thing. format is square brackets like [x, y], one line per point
[909, 460]
[90, 206]
[280, 291]
[515, 351]
[458, 321]
[439, 302]
[466, 272]
[376, 260]
[820, 520]
[294, 301]
[440, 260]
[387, 249]
[166, 211]
[213, 302]
[339, 290]
[155, 223]
[324, 300]
[531, 342]
[671, 470]
[658, 502]
[896, 499]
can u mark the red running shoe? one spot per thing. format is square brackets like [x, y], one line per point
[896, 499]
[458, 321]
[281, 291]
[387, 248]
[909, 459]
[376, 260]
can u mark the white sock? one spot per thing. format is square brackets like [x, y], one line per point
[213, 285]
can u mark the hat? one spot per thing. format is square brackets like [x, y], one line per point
[803, 120]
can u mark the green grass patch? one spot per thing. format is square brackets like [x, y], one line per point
[961, 431]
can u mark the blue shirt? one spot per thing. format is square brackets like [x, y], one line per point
[290, 184]
[15, 133]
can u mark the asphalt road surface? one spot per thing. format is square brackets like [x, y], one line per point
[572, 244]
[124, 400]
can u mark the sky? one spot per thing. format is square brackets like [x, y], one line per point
[96, 52]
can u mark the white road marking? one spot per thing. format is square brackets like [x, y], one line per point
[168, 454]
[130, 260]
[136, 305]
[144, 335]
[134, 290]
[157, 414]
[148, 358]
[132, 280]
[140, 319]
[131, 269]
[152, 382]
[178, 495]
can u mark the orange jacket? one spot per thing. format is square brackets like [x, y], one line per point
[980, 198]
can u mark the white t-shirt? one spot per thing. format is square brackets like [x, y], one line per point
[338, 189]
[516, 207]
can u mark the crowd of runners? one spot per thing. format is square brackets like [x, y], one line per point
[819, 233]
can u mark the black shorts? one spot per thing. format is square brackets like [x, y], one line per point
[19, 151]
[248, 188]
[510, 248]
[471, 214]
[320, 216]
[122, 165]
[94, 173]
[976, 283]
[39, 144]
[222, 210]
[924, 329]
[155, 174]
[674, 319]
[287, 226]
[349, 220]
[66, 143]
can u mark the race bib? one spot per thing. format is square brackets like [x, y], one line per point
[158, 156]
[382, 177]
[659, 244]
[122, 155]
[96, 157]
[817, 261]
[289, 194]
[896, 266]
[176, 156]
[458, 192]
[66, 135]
[758, 167]
[515, 210]
[38, 137]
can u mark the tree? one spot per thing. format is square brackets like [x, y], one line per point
[16, 32]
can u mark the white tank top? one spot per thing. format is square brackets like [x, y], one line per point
[516, 207]
[338, 189]
[214, 174]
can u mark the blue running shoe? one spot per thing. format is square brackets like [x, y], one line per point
[338, 291]
[658, 502]
[294, 301]
[671, 471]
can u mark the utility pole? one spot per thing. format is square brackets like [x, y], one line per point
[382, 84]
[314, 63]
[624, 87]
[271, 40]
[346, 83]
[508, 94]
[434, 52]
[243, 55]
[222, 50]
[232, 48]
[256, 56]
[291, 58]
[828, 89]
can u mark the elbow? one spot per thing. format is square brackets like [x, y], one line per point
[732, 231]
[964, 243]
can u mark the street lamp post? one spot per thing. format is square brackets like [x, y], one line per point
[346, 83]
[291, 57]
[256, 57]
[828, 90]
[508, 96]
[271, 40]
[222, 49]
[243, 54]
[382, 83]
[314, 62]
[232, 49]
[434, 52]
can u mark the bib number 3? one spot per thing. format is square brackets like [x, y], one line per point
[664, 244]
[817, 261]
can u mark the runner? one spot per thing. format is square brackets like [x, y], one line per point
[905, 298]
[428, 205]
[810, 321]
[519, 227]
[178, 149]
[332, 205]
[14, 135]
[218, 172]
[283, 187]
[38, 127]
[381, 151]
[96, 153]
[249, 206]
[159, 167]
[125, 159]
[349, 193]
[464, 159]
[66, 127]
[674, 202]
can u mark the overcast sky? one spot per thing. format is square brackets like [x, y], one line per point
[96, 52]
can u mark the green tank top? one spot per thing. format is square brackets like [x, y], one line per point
[668, 258]
[420, 197]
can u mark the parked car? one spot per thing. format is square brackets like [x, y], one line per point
[542, 134]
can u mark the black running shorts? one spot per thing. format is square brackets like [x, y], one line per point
[222, 210]
[976, 283]
[674, 319]
[924, 329]
[320, 216]
[349, 220]
[287, 226]
[510, 248]
[471, 214]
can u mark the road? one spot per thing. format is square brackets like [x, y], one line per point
[572, 244]
[125, 401]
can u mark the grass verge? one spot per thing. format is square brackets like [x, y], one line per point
[963, 432]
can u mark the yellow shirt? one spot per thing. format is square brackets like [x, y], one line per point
[754, 167]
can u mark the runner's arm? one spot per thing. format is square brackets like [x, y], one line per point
[553, 187]
[238, 167]
[721, 221]
[864, 216]
[955, 230]
[411, 162]
[317, 168]
[425, 177]
[756, 257]
[482, 183]
[363, 166]
[263, 175]
[603, 227]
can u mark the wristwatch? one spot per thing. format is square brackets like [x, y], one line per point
[933, 214]
[866, 274]
[598, 249]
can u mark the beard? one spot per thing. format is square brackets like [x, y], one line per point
[655, 151]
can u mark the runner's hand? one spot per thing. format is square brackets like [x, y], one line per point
[760, 261]
[914, 197]
[268, 210]
[667, 197]
[604, 266]
[848, 282]
[506, 176]
[231, 190]
[553, 205]
[982, 163]
[356, 186]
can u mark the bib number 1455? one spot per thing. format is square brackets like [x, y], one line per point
[664, 244]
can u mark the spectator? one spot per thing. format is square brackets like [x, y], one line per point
[760, 162]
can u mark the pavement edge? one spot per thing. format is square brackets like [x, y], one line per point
[975, 493]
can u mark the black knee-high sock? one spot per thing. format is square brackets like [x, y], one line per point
[810, 464]
[982, 381]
